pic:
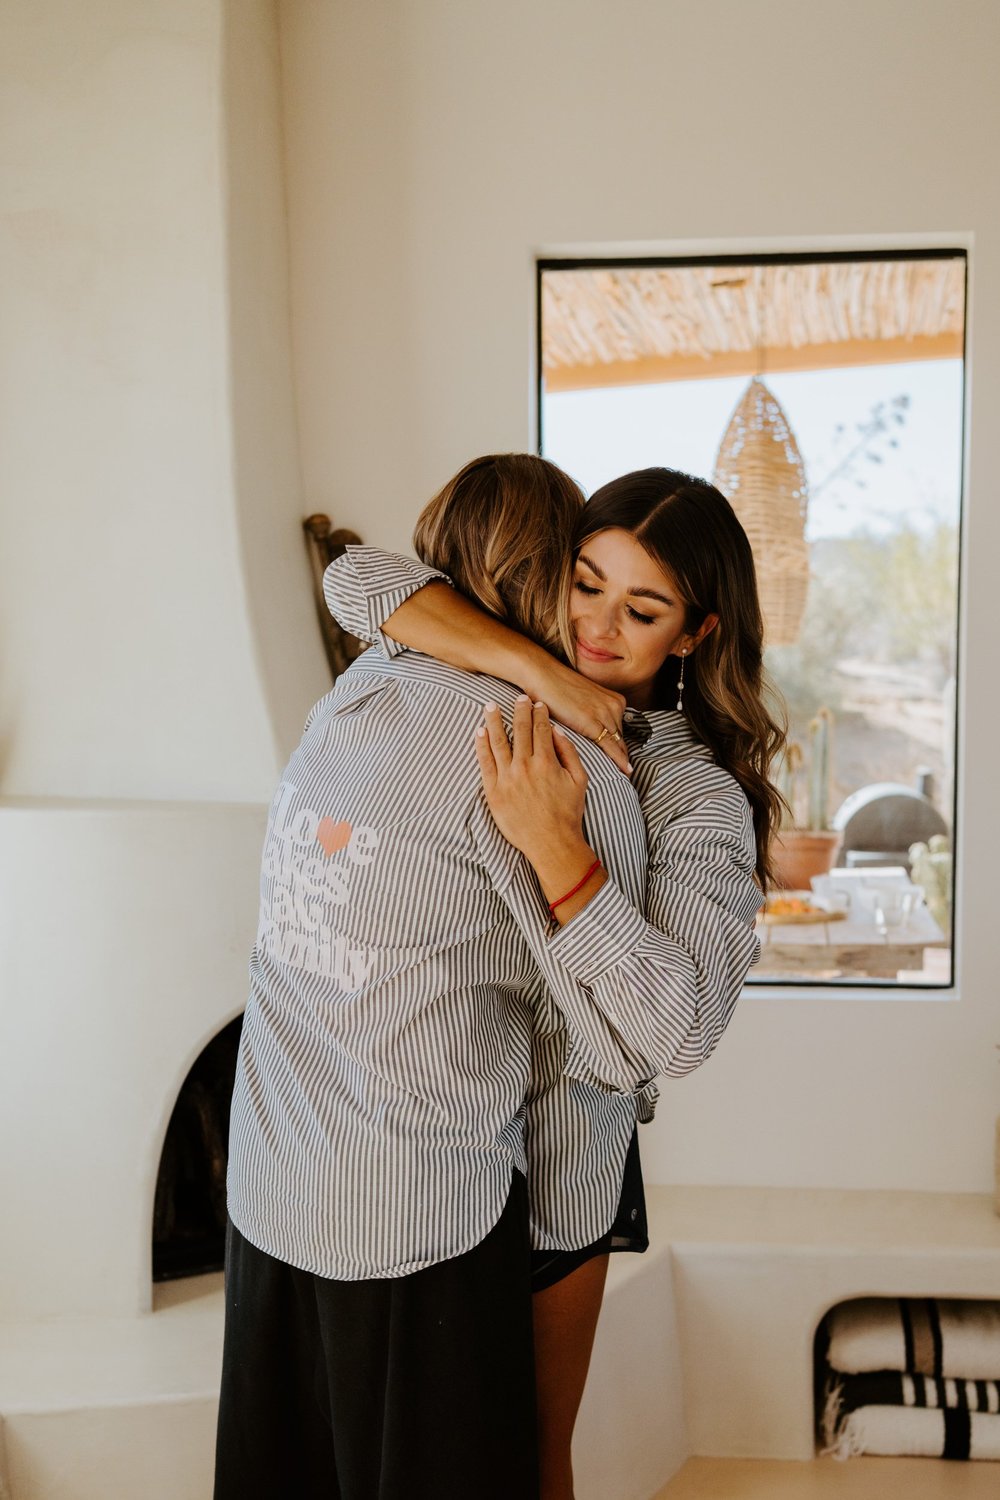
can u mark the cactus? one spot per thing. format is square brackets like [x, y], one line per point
[816, 772]
[820, 735]
[787, 779]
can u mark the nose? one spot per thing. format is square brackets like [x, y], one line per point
[602, 623]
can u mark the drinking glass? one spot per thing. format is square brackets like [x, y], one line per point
[892, 908]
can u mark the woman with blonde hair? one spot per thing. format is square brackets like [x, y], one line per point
[378, 1339]
[665, 630]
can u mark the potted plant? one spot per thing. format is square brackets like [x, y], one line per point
[806, 845]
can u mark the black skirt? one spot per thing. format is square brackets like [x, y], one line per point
[418, 1387]
[629, 1231]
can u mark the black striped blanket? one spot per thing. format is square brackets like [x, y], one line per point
[890, 1412]
[919, 1336]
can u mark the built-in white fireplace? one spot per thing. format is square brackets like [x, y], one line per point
[126, 933]
[189, 1206]
[126, 929]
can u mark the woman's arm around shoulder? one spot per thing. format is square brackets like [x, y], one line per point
[364, 588]
[395, 603]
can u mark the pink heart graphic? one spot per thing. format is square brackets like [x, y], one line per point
[333, 836]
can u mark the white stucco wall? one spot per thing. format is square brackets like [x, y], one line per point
[158, 646]
[267, 482]
[129, 664]
[432, 151]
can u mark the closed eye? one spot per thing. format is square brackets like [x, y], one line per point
[588, 588]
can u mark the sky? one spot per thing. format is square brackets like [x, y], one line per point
[595, 435]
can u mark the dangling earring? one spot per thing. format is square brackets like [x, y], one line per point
[680, 684]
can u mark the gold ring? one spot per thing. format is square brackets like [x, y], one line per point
[617, 735]
[603, 732]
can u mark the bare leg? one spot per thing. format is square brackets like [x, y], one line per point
[565, 1317]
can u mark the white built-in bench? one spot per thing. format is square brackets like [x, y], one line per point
[753, 1271]
[705, 1346]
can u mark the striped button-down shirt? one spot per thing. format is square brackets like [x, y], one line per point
[644, 991]
[384, 1064]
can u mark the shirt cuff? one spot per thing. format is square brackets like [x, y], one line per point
[385, 588]
[380, 609]
[600, 936]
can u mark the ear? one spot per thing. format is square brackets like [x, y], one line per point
[705, 628]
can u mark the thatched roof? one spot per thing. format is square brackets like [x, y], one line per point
[632, 326]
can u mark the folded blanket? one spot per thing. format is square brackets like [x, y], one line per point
[920, 1336]
[921, 1432]
[849, 1393]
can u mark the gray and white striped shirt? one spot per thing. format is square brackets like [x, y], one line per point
[378, 1108]
[667, 999]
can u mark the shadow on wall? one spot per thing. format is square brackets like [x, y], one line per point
[267, 479]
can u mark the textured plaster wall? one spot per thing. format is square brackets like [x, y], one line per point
[129, 664]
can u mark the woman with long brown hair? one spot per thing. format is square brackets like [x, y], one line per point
[688, 528]
[666, 634]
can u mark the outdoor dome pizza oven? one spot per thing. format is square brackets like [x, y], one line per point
[878, 823]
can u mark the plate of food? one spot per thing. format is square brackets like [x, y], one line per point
[797, 908]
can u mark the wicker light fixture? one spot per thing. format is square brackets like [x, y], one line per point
[759, 470]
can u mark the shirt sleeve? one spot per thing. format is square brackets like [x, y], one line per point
[647, 993]
[365, 586]
[666, 984]
[640, 996]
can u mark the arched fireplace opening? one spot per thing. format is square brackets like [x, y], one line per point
[189, 1210]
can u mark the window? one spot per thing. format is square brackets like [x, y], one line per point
[824, 395]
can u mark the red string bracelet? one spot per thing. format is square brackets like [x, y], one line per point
[578, 887]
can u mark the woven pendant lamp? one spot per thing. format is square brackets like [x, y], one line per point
[759, 470]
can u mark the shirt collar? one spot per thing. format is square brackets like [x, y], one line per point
[658, 729]
[637, 726]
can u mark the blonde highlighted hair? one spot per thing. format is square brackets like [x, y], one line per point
[501, 530]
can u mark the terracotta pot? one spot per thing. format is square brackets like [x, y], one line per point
[801, 853]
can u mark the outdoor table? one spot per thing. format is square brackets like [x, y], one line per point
[848, 946]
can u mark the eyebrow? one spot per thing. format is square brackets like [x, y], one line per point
[633, 593]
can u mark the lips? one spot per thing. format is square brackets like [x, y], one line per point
[593, 653]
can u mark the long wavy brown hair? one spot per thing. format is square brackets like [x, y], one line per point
[500, 529]
[691, 531]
